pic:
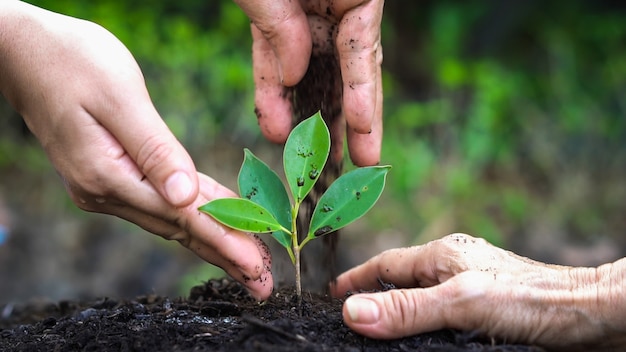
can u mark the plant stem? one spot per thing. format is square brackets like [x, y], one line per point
[296, 252]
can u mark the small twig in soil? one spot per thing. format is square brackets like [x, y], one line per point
[386, 286]
[263, 325]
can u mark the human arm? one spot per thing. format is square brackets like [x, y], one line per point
[465, 283]
[83, 96]
[285, 35]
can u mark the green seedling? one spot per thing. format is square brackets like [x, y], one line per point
[265, 206]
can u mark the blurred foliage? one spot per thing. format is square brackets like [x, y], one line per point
[496, 113]
[495, 110]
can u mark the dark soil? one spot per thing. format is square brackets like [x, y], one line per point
[217, 316]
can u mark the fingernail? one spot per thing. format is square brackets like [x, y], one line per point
[178, 187]
[362, 310]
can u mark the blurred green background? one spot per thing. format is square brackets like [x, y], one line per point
[503, 119]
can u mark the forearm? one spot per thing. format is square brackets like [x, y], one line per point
[8, 15]
[20, 27]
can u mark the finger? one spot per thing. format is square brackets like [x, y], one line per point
[242, 267]
[259, 287]
[271, 99]
[393, 314]
[257, 279]
[360, 55]
[458, 303]
[404, 267]
[365, 149]
[244, 257]
[429, 264]
[284, 24]
[383, 267]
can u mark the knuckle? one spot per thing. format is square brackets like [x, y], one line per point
[182, 231]
[382, 260]
[272, 27]
[181, 237]
[456, 241]
[401, 305]
[379, 55]
[80, 202]
[83, 204]
[88, 188]
[153, 153]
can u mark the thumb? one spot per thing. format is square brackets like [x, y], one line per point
[467, 301]
[168, 166]
[395, 313]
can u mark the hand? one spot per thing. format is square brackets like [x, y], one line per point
[286, 33]
[465, 283]
[83, 96]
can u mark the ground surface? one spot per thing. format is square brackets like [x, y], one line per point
[217, 316]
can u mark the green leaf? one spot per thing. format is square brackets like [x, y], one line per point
[242, 214]
[260, 184]
[305, 155]
[347, 199]
[283, 238]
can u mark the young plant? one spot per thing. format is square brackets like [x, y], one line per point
[265, 206]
